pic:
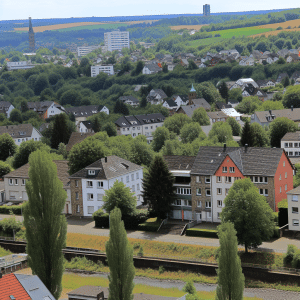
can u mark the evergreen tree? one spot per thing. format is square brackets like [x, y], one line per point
[24, 106]
[96, 125]
[246, 137]
[143, 102]
[46, 227]
[235, 126]
[121, 108]
[231, 280]
[60, 131]
[285, 81]
[158, 189]
[16, 116]
[120, 260]
[223, 90]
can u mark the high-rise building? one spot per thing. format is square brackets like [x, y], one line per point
[206, 10]
[116, 40]
[31, 37]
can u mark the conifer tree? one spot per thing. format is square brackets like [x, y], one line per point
[60, 131]
[143, 102]
[46, 227]
[246, 137]
[96, 125]
[158, 189]
[231, 280]
[120, 260]
[223, 90]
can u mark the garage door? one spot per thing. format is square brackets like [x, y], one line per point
[188, 215]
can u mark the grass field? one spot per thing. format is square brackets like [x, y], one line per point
[196, 27]
[91, 27]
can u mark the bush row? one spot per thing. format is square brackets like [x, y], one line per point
[292, 257]
[202, 232]
[153, 227]
[16, 209]
[10, 225]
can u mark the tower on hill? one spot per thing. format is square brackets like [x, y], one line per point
[31, 37]
[206, 10]
[192, 95]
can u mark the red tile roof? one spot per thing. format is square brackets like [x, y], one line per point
[10, 285]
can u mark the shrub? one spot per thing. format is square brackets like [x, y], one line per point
[10, 225]
[82, 263]
[16, 209]
[289, 256]
[161, 270]
[276, 232]
[202, 233]
[296, 259]
[189, 288]
[152, 227]
[276, 218]
[141, 251]
[101, 219]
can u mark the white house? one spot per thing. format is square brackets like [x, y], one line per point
[19, 65]
[291, 143]
[293, 198]
[107, 69]
[46, 109]
[6, 108]
[151, 69]
[21, 133]
[85, 126]
[231, 112]
[170, 104]
[89, 184]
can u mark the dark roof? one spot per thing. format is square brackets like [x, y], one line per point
[84, 111]
[4, 104]
[153, 67]
[158, 92]
[179, 162]
[130, 98]
[127, 121]
[41, 107]
[294, 76]
[77, 137]
[263, 82]
[17, 131]
[202, 102]
[171, 103]
[114, 167]
[189, 109]
[89, 291]
[222, 105]
[87, 124]
[291, 136]
[281, 76]
[253, 161]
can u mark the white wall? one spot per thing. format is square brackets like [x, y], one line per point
[293, 201]
[53, 110]
[291, 151]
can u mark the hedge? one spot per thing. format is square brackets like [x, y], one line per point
[276, 232]
[202, 232]
[149, 226]
[16, 209]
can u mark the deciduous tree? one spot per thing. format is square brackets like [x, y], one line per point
[200, 116]
[7, 146]
[160, 135]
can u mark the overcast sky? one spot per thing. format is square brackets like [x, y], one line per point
[39, 9]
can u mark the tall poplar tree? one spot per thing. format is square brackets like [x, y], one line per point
[46, 227]
[231, 280]
[120, 260]
[247, 137]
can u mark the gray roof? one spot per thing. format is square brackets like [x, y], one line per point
[34, 287]
[179, 162]
[253, 161]
[293, 115]
[171, 103]
[4, 104]
[202, 102]
[127, 121]
[216, 115]
[84, 111]
[114, 167]
[222, 105]
[130, 98]
[295, 191]
[89, 291]
[87, 124]
[206, 129]
[291, 136]
[17, 131]
[189, 109]
[41, 107]
[153, 67]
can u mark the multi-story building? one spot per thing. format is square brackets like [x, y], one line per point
[116, 40]
[206, 10]
[215, 169]
[88, 185]
[141, 124]
[82, 51]
[19, 65]
[107, 69]
[15, 181]
[293, 198]
[291, 144]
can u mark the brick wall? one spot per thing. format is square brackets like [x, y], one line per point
[203, 198]
[75, 202]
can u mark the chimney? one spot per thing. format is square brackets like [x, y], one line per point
[105, 159]
[292, 107]
[0, 275]
[270, 111]
[224, 149]
[246, 147]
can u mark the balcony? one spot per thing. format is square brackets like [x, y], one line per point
[182, 181]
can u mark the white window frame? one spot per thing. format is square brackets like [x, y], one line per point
[89, 184]
[208, 192]
[99, 197]
[100, 184]
[127, 178]
[76, 196]
[133, 188]
[199, 203]
[16, 181]
[137, 175]
[90, 197]
[23, 181]
[224, 169]
[11, 181]
[207, 179]
[295, 222]
[197, 191]
[295, 198]
[198, 179]
[76, 183]
[295, 212]
[132, 177]
[88, 210]
[219, 191]
[219, 203]
[207, 204]
[231, 170]
[78, 208]
[219, 179]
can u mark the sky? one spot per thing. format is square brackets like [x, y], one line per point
[41, 9]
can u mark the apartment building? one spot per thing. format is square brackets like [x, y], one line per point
[88, 185]
[291, 144]
[19, 65]
[82, 51]
[116, 40]
[293, 198]
[107, 69]
[141, 124]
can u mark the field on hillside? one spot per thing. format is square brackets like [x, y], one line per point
[196, 27]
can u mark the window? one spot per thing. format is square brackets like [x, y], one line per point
[138, 128]
[286, 145]
[291, 153]
[219, 203]
[76, 196]
[132, 177]
[100, 184]
[295, 222]
[296, 145]
[285, 187]
[208, 214]
[219, 179]
[146, 127]
[207, 192]
[207, 179]
[11, 182]
[127, 178]
[199, 204]
[295, 198]
[290, 145]
[138, 187]
[178, 202]
[207, 204]
[76, 183]
[285, 174]
[90, 197]
[198, 192]
[226, 191]
[183, 191]
[133, 188]
[198, 179]
[231, 169]
[137, 175]
[89, 184]
[78, 209]
[284, 163]
[295, 210]
[219, 191]
[23, 181]
[280, 177]
[91, 172]
[266, 179]
[228, 179]
[280, 190]
[266, 192]
[224, 169]
[99, 197]
[133, 134]
[219, 215]
[16, 182]
[90, 209]
[124, 129]
[261, 191]
[187, 203]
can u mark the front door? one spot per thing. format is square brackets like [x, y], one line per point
[67, 208]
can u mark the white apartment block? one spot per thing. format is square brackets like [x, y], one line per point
[293, 198]
[19, 65]
[116, 40]
[96, 70]
[291, 143]
[82, 51]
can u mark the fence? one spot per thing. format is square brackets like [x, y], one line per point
[12, 263]
[164, 222]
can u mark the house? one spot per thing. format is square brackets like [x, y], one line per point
[156, 96]
[130, 100]
[295, 75]
[281, 76]
[233, 103]
[170, 104]
[291, 143]
[89, 292]
[139, 125]
[265, 83]
[19, 65]
[292, 58]
[187, 109]
[88, 185]
[81, 113]
[266, 117]
[46, 109]
[229, 84]
[293, 199]
[77, 137]
[23, 287]
[283, 53]
[85, 126]
[256, 54]
[221, 105]
[6, 108]
[248, 61]
[250, 90]
[202, 103]
[21, 133]
[151, 69]
[231, 112]
[180, 99]
[216, 116]
[15, 181]
[243, 82]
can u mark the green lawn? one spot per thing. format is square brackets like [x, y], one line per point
[91, 27]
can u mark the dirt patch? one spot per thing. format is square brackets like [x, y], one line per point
[196, 27]
[275, 32]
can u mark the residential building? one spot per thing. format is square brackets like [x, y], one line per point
[86, 126]
[19, 65]
[266, 117]
[291, 143]
[206, 10]
[231, 112]
[25, 287]
[216, 116]
[84, 50]
[241, 83]
[247, 61]
[6, 108]
[202, 103]
[156, 96]
[21, 133]
[139, 124]
[170, 104]
[77, 137]
[88, 185]
[130, 100]
[265, 83]
[46, 109]
[292, 58]
[187, 109]
[251, 90]
[180, 99]
[151, 69]
[15, 181]
[293, 199]
[107, 69]
[222, 105]
[116, 40]
[281, 76]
